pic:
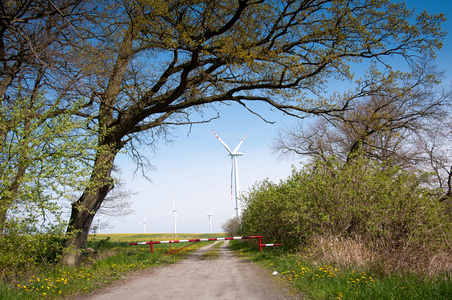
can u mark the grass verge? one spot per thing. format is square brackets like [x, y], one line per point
[319, 280]
[110, 257]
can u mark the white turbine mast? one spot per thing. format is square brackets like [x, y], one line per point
[98, 223]
[144, 223]
[210, 219]
[175, 216]
[235, 189]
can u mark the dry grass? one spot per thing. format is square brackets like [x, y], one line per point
[353, 252]
[340, 251]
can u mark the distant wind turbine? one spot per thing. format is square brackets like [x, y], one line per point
[98, 224]
[175, 216]
[235, 189]
[144, 223]
[210, 219]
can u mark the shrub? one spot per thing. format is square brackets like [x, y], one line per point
[232, 226]
[24, 249]
[378, 205]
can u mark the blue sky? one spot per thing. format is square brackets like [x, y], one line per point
[195, 169]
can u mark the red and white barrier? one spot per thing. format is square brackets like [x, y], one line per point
[193, 241]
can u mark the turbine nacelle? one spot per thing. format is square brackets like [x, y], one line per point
[235, 154]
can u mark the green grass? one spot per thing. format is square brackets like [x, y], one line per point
[325, 281]
[214, 253]
[110, 259]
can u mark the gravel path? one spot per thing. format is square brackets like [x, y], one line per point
[228, 277]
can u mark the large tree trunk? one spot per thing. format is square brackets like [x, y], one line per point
[84, 209]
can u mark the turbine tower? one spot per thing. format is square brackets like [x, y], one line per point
[210, 219]
[98, 224]
[175, 216]
[144, 223]
[235, 189]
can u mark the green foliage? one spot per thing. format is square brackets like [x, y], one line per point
[100, 244]
[386, 208]
[42, 158]
[23, 254]
[42, 163]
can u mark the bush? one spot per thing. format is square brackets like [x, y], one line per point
[232, 227]
[381, 206]
[24, 250]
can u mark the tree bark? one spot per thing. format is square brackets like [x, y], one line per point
[85, 208]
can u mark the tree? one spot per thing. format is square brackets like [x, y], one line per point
[232, 226]
[435, 146]
[37, 127]
[40, 162]
[166, 60]
[34, 38]
[400, 123]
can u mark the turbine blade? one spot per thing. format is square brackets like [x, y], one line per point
[238, 146]
[221, 141]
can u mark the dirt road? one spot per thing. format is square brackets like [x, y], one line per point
[227, 277]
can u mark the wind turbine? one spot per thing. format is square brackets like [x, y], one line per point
[144, 223]
[235, 190]
[98, 224]
[210, 219]
[175, 216]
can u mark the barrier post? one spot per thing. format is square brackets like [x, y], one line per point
[151, 243]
